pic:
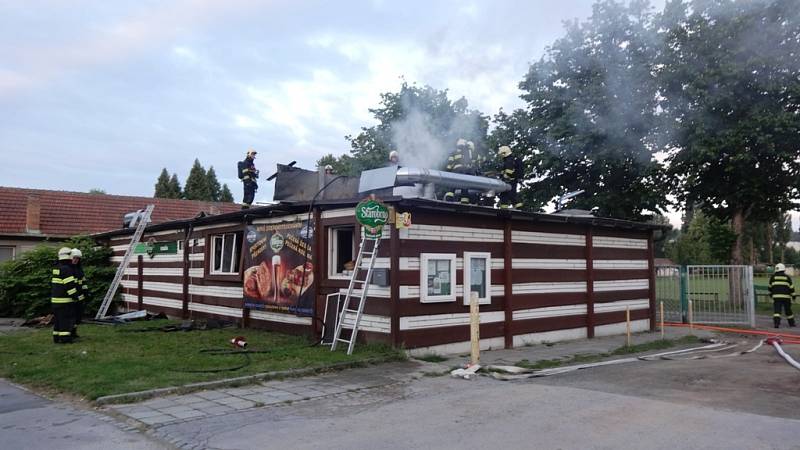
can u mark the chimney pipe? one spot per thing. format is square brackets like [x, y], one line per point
[33, 215]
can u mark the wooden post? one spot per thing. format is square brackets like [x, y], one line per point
[651, 280]
[140, 283]
[187, 233]
[661, 307]
[628, 326]
[508, 285]
[474, 328]
[589, 283]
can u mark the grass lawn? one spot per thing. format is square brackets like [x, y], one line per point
[110, 360]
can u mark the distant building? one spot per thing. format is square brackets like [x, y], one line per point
[29, 217]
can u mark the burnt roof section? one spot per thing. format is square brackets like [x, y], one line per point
[281, 209]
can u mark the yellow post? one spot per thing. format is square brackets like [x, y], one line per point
[662, 319]
[628, 326]
[691, 319]
[474, 328]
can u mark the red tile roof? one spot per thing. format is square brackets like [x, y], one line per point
[70, 213]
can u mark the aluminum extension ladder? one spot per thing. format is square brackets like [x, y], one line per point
[143, 219]
[347, 312]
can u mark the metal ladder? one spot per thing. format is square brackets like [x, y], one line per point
[364, 283]
[143, 219]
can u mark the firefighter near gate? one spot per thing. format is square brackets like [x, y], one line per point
[248, 174]
[781, 289]
[64, 293]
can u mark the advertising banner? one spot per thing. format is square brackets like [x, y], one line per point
[373, 215]
[279, 267]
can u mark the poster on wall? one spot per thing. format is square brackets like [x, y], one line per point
[279, 267]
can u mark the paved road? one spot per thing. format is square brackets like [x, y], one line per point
[28, 421]
[484, 413]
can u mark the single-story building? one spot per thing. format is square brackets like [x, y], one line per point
[29, 217]
[541, 277]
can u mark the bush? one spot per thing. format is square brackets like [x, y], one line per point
[25, 282]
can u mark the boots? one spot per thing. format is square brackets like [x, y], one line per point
[776, 321]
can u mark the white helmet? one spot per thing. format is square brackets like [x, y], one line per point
[780, 267]
[394, 155]
[76, 253]
[64, 253]
[504, 151]
[471, 145]
[461, 142]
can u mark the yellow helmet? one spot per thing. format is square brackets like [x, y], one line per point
[504, 151]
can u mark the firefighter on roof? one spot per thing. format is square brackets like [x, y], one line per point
[64, 291]
[782, 291]
[511, 173]
[461, 160]
[248, 174]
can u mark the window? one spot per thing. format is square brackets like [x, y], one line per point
[341, 250]
[437, 277]
[225, 249]
[478, 276]
[7, 253]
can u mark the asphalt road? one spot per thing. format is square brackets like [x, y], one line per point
[28, 421]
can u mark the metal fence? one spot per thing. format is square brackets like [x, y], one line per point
[711, 294]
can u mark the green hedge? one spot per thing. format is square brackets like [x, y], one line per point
[25, 282]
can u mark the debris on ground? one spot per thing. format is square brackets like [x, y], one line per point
[39, 322]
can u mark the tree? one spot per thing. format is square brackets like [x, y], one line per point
[196, 187]
[730, 90]
[226, 195]
[706, 241]
[97, 191]
[174, 185]
[162, 189]
[213, 185]
[421, 123]
[591, 103]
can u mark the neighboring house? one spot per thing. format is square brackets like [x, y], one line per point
[540, 277]
[29, 217]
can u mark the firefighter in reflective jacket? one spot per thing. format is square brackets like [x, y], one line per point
[64, 291]
[511, 173]
[248, 174]
[83, 289]
[782, 290]
[461, 160]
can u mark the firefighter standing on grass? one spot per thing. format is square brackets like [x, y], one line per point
[511, 173]
[64, 291]
[248, 174]
[80, 280]
[782, 291]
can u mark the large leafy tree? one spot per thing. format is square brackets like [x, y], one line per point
[422, 123]
[730, 80]
[591, 104]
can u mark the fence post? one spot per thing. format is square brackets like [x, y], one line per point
[684, 293]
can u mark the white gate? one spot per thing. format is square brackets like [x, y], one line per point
[719, 295]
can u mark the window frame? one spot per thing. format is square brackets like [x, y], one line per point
[486, 256]
[333, 250]
[209, 261]
[13, 251]
[424, 258]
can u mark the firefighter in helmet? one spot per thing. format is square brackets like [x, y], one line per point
[461, 160]
[83, 289]
[511, 173]
[248, 174]
[782, 291]
[63, 293]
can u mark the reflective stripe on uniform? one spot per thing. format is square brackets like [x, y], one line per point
[61, 300]
[56, 272]
[780, 283]
[69, 279]
[782, 296]
[776, 315]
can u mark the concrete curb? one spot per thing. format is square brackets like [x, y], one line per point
[130, 397]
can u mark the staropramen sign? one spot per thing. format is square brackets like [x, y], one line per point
[373, 215]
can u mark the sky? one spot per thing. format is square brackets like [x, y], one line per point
[105, 94]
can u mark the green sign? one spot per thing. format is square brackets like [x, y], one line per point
[142, 248]
[156, 248]
[373, 215]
